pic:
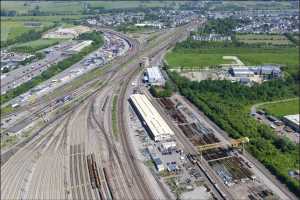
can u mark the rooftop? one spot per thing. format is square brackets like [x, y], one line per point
[293, 118]
[152, 118]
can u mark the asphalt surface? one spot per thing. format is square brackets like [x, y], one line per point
[25, 73]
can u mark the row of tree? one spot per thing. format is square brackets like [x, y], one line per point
[227, 104]
[55, 69]
[166, 91]
[27, 36]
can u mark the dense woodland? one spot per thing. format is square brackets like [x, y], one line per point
[228, 104]
[55, 69]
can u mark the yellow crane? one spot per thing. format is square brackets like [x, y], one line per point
[234, 143]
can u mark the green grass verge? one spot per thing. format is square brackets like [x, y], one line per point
[281, 109]
[56, 69]
[8, 141]
[6, 110]
[36, 45]
[114, 116]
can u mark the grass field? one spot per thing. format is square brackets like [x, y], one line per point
[131, 4]
[12, 29]
[250, 56]
[255, 5]
[58, 7]
[37, 44]
[77, 7]
[192, 59]
[54, 18]
[281, 109]
[263, 38]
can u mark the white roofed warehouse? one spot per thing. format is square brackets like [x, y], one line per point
[292, 121]
[155, 125]
[155, 76]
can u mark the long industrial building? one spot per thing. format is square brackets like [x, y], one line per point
[154, 76]
[151, 119]
[292, 121]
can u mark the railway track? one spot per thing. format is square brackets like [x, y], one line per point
[51, 153]
[135, 169]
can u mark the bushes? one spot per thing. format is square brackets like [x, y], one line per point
[26, 37]
[53, 70]
[225, 102]
[165, 91]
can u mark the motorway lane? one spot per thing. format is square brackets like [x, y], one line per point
[27, 72]
[41, 101]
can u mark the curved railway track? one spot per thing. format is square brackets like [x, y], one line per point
[66, 145]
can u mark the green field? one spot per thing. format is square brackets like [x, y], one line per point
[263, 38]
[289, 57]
[77, 7]
[35, 45]
[58, 7]
[281, 109]
[192, 59]
[13, 29]
[252, 5]
[54, 18]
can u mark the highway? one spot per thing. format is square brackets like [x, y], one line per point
[52, 165]
[24, 73]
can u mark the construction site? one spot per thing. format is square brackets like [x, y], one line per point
[198, 160]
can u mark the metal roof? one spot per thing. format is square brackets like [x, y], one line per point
[241, 70]
[154, 73]
[154, 121]
[293, 118]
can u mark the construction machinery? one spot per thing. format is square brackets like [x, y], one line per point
[234, 143]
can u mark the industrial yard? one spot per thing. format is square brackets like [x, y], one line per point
[178, 165]
[150, 101]
[66, 33]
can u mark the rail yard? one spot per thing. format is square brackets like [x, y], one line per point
[75, 153]
[106, 113]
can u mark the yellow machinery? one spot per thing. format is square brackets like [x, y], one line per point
[234, 143]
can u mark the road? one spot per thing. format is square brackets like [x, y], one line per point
[189, 148]
[53, 164]
[253, 108]
[62, 78]
[24, 73]
[277, 187]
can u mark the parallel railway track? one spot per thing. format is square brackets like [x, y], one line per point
[75, 179]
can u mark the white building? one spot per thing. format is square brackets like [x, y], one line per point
[168, 145]
[155, 76]
[241, 72]
[78, 47]
[292, 121]
[155, 125]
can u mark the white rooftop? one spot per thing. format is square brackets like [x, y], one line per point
[154, 72]
[293, 118]
[150, 115]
